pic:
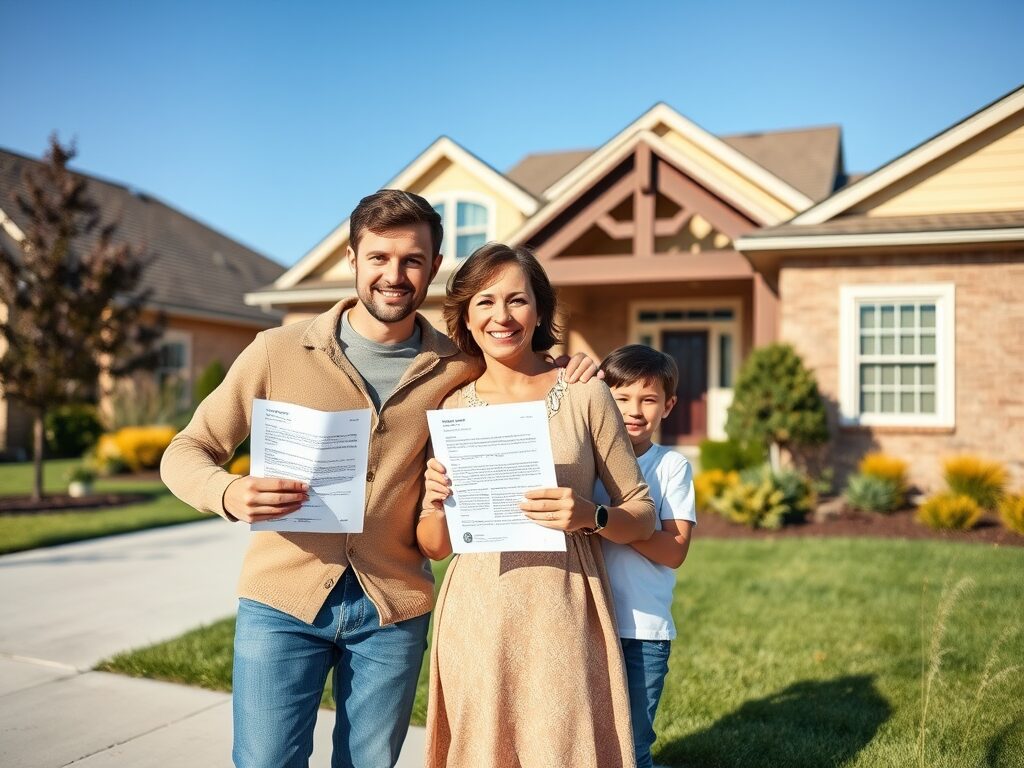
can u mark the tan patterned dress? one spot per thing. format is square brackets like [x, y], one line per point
[526, 667]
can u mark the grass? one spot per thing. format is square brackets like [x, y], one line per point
[28, 531]
[805, 652]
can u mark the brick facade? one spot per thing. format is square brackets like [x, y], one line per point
[989, 338]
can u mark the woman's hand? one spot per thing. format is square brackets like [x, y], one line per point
[437, 487]
[559, 508]
[579, 368]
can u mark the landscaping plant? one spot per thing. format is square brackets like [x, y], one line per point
[982, 480]
[950, 511]
[776, 403]
[729, 455]
[1011, 512]
[709, 485]
[870, 493]
[71, 430]
[755, 500]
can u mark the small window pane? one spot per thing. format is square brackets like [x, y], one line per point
[908, 374]
[906, 345]
[725, 360]
[927, 402]
[470, 215]
[867, 317]
[888, 374]
[927, 345]
[888, 402]
[907, 402]
[440, 211]
[927, 315]
[928, 375]
[867, 345]
[888, 316]
[867, 402]
[906, 316]
[888, 345]
[647, 341]
[868, 374]
[466, 244]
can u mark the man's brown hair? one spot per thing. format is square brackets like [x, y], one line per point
[479, 271]
[391, 209]
[638, 362]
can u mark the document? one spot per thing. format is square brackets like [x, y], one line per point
[327, 449]
[493, 456]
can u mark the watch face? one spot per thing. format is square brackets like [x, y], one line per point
[602, 516]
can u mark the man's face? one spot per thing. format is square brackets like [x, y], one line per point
[393, 270]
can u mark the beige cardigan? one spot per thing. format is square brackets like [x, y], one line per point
[304, 364]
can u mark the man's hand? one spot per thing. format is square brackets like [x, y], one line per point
[579, 367]
[258, 499]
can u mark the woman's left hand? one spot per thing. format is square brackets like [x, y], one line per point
[559, 508]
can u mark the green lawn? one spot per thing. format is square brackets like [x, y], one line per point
[802, 652]
[28, 531]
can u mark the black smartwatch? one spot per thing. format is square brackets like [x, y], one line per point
[600, 518]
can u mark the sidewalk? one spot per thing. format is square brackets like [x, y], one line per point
[66, 608]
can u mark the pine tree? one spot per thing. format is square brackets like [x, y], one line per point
[776, 402]
[72, 299]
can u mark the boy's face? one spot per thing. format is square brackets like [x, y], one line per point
[643, 405]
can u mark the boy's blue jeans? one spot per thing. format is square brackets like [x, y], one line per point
[280, 667]
[646, 667]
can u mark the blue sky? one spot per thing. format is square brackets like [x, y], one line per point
[270, 120]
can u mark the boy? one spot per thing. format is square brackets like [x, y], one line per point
[642, 574]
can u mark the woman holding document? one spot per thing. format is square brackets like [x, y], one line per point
[526, 667]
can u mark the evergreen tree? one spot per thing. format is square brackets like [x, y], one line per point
[776, 402]
[72, 299]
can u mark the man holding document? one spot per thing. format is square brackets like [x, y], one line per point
[333, 578]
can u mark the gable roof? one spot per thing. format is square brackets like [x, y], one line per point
[914, 159]
[195, 270]
[442, 148]
[808, 159]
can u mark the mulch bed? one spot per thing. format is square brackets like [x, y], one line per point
[899, 524]
[24, 505]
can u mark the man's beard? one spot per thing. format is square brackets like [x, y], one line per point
[389, 313]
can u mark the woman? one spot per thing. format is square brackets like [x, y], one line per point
[526, 668]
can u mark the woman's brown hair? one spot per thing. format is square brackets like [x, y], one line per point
[479, 271]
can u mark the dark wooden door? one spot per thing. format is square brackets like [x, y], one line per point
[689, 419]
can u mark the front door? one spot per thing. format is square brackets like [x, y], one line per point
[688, 421]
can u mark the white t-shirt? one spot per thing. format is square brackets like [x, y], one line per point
[642, 589]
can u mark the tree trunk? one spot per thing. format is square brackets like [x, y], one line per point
[37, 460]
[775, 456]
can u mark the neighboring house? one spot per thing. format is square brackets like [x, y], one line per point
[198, 278]
[637, 235]
[904, 292]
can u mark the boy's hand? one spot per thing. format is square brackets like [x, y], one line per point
[559, 508]
[258, 499]
[579, 367]
[437, 486]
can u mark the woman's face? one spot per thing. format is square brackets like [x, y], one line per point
[503, 316]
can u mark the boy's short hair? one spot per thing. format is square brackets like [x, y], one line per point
[389, 209]
[638, 362]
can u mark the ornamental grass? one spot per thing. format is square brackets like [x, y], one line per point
[949, 511]
[982, 480]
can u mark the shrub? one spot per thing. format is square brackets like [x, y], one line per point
[142, 447]
[239, 466]
[984, 481]
[1011, 512]
[872, 493]
[760, 498]
[82, 473]
[729, 455]
[105, 456]
[798, 495]
[885, 467]
[776, 402]
[71, 430]
[709, 485]
[208, 380]
[952, 511]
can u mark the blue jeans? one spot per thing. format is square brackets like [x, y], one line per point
[281, 665]
[646, 667]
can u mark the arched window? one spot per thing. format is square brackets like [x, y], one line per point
[468, 221]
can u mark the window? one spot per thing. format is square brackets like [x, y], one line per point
[896, 355]
[174, 366]
[468, 221]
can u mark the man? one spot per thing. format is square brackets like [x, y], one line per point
[312, 602]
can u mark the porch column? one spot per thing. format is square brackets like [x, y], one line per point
[766, 312]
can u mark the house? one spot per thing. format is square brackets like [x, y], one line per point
[904, 291]
[198, 278]
[638, 235]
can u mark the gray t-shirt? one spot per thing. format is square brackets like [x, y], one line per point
[381, 365]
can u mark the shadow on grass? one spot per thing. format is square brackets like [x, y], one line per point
[812, 724]
[1002, 752]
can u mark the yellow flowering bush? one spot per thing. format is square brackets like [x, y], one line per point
[982, 480]
[141, 447]
[710, 485]
[884, 467]
[952, 511]
[240, 466]
[1011, 512]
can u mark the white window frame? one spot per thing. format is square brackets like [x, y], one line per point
[944, 297]
[174, 336]
[450, 201]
